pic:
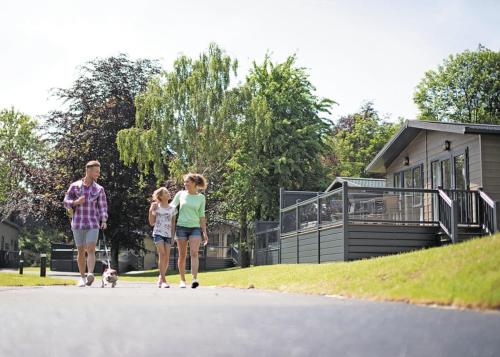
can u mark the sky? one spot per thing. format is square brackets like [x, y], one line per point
[355, 51]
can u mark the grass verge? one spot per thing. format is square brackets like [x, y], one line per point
[12, 279]
[461, 275]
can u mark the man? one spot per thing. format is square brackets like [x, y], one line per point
[87, 201]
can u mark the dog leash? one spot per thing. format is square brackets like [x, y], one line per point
[106, 249]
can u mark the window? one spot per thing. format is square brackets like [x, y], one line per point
[410, 178]
[436, 174]
[460, 172]
[397, 180]
[231, 238]
[417, 183]
[451, 172]
[446, 174]
[213, 238]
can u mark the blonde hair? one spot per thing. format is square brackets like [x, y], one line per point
[159, 192]
[93, 163]
[199, 180]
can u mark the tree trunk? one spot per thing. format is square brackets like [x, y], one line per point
[244, 246]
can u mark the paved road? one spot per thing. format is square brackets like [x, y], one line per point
[140, 320]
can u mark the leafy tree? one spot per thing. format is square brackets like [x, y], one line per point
[465, 88]
[19, 137]
[98, 105]
[280, 141]
[185, 122]
[37, 241]
[355, 141]
[288, 131]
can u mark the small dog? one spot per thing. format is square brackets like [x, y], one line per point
[110, 276]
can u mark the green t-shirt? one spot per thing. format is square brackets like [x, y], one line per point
[191, 208]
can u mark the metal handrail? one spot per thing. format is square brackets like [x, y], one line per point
[463, 208]
[392, 189]
[448, 219]
[486, 198]
[235, 254]
[445, 197]
[488, 213]
[270, 230]
[359, 188]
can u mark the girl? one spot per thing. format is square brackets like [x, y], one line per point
[191, 224]
[162, 218]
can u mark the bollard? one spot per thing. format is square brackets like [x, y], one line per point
[43, 263]
[21, 262]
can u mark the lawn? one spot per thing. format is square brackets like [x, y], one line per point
[462, 275]
[13, 279]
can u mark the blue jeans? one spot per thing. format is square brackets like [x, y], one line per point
[187, 232]
[161, 239]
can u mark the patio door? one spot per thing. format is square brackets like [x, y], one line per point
[450, 173]
[411, 202]
[441, 174]
[441, 177]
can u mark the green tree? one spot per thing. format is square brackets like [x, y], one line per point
[288, 129]
[19, 137]
[99, 104]
[355, 141]
[185, 122]
[280, 141]
[465, 88]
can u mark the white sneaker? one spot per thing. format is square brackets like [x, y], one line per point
[194, 284]
[165, 285]
[182, 284]
[90, 279]
[81, 283]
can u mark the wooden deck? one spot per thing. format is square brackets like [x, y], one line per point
[362, 222]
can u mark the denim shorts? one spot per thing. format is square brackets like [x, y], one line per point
[187, 232]
[85, 236]
[159, 239]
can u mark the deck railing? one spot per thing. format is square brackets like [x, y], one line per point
[488, 213]
[448, 215]
[467, 205]
[362, 205]
[400, 206]
[266, 242]
[391, 205]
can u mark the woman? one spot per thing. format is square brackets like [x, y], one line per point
[191, 224]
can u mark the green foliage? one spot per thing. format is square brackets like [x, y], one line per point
[184, 119]
[465, 88]
[98, 105]
[280, 138]
[19, 138]
[248, 140]
[355, 141]
[9, 279]
[37, 241]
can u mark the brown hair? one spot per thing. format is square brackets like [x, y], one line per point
[93, 163]
[199, 180]
[159, 192]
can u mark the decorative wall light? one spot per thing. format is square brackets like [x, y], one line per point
[406, 161]
[447, 145]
